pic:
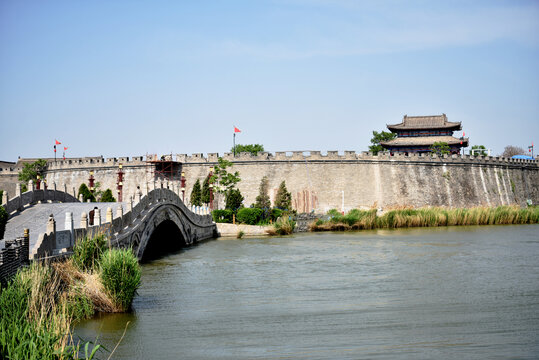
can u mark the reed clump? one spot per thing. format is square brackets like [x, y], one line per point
[426, 217]
[39, 306]
[120, 275]
[36, 314]
[284, 226]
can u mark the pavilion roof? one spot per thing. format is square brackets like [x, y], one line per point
[425, 122]
[424, 140]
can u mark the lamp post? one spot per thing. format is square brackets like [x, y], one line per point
[211, 188]
[120, 182]
[38, 181]
[183, 186]
[91, 182]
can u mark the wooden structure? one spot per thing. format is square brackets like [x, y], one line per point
[417, 134]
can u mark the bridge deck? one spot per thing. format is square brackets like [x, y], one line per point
[35, 218]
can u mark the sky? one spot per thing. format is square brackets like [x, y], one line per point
[129, 78]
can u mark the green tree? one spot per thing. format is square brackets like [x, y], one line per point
[440, 148]
[254, 149]
[377, 138]
[86, 194]
[233, 200]
[263, 199]
[196, 194]
[30, 171]
[224, 180]
[283, 200]
[107, 196]
[205, 195]
[482, 150]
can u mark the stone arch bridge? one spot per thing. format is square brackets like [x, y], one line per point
[150, 224]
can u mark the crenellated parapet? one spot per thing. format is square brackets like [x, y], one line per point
[288, 156]
[348, 156]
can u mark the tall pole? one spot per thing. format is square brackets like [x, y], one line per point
[91, 181]
[234, 144]
[120, 182]
[211, 188]
[183, 186]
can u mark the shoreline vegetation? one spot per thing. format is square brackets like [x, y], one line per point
[40, 305]
[425, 217]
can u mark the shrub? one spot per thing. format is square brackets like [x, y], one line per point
[284, 225]
[86, 194]
[250, 216]
[196, 194]
[233, 199]
[3, 221]
[87, 251]
[222, 216]
[205, 193]
[283, 200]
[275, 214]
[107, 196]
[263, 199]
[120, 275]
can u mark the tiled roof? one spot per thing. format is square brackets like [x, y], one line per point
[425, 122]
[424, 140]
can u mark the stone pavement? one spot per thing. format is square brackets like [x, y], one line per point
[35, 218]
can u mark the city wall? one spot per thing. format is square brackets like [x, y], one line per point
[319, 182]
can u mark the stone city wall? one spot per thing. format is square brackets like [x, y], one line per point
[321, 182]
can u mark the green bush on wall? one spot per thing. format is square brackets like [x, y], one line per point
[249, 216]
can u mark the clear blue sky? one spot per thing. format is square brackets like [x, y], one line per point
[126, 78]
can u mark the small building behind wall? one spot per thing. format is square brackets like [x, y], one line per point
[417, 134]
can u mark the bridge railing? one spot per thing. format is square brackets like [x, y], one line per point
[13, 256]
[33, 196]
[115, 226]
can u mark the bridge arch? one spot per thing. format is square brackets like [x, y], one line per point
[166, 230]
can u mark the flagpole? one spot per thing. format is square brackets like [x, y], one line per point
[234, 144]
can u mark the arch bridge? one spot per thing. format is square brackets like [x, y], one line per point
[152, 224]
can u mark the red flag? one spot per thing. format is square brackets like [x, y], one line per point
[65, 148]
[463, 133]
[57, 142]
[236, 129]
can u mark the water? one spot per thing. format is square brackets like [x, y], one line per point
[452, 293]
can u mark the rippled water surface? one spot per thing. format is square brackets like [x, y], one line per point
[458, 292]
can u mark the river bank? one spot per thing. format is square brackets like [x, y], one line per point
[425, 217]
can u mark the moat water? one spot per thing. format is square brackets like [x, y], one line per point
[441, 293]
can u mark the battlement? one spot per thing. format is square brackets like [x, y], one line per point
[279, 156]
[347, 156]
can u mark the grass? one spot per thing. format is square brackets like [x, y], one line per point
[240, 234]
[35, 317]
[120, 274]
[283, 226]
[426, 217]
[39, 306]
[88, 250]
